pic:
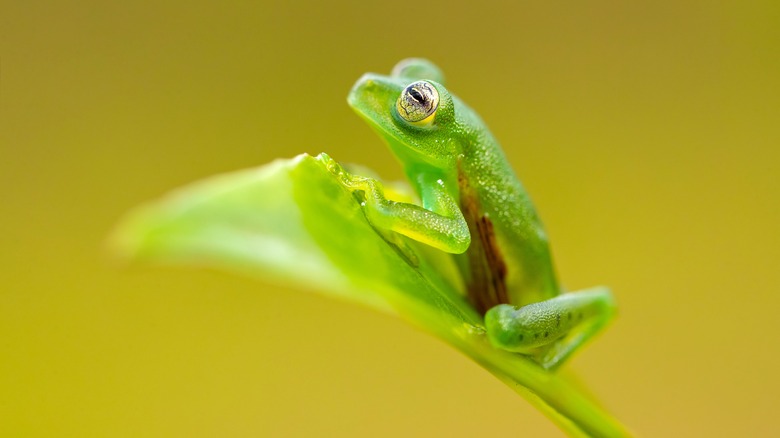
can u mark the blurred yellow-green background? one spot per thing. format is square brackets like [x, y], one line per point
[647, 133]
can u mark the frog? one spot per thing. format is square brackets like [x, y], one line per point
[473, 206]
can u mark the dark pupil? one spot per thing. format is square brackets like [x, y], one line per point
[416, 95]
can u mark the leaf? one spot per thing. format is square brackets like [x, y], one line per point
[291, 221]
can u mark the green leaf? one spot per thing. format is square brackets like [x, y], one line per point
[291, 221]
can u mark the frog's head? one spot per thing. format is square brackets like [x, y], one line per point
[412, 111]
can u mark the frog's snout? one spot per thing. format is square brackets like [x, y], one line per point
[366, 89]
[367, 83]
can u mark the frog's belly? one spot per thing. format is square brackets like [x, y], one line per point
[530, 276]
[505, 268]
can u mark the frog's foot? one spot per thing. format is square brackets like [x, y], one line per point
[334, 167]
[349, 181]
[359, 185]
[550, 331]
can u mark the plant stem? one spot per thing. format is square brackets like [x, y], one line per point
[564, 404]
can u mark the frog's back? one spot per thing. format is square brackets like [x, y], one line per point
[509, 257]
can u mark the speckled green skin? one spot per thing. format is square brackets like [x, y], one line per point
[472, 205]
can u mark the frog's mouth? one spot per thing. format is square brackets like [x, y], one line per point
[373, 97]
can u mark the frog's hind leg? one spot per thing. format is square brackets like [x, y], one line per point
[551, 330]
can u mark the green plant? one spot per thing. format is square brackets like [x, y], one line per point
[291, 221]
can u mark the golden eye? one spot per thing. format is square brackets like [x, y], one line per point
[418, 102]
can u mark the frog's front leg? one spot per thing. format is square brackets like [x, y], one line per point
[441, 225]
[551, 330]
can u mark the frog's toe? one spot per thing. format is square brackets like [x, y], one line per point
[330, 164]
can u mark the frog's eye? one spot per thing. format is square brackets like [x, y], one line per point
[417, 103]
